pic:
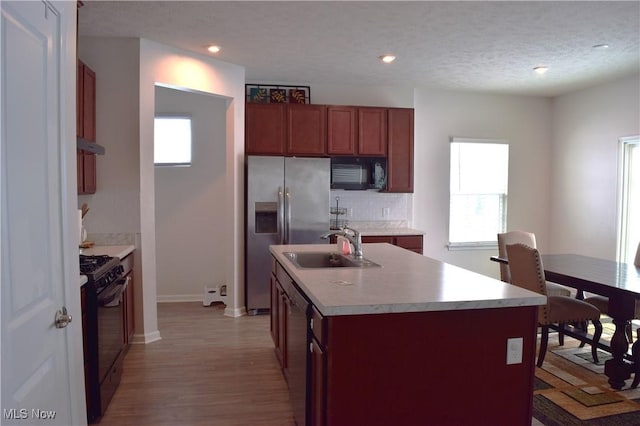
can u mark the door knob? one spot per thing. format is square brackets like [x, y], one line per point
[62, 318]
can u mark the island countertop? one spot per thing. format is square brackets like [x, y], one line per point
[406, 282]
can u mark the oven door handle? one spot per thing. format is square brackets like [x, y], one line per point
[115, 297]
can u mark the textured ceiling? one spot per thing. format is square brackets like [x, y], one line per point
[480, 46]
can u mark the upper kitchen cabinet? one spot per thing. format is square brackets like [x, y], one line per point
[306, 130]
[86, 127]
[341, 130]
[372, 131]
[265, 126]
[400, 145]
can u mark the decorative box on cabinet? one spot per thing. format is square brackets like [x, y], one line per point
[86, 127]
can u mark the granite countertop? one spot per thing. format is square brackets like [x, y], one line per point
[406, 282]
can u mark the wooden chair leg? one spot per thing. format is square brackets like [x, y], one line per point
[544, 338]
[596, 339]
[583, 326]
[561, 334]
[629, 332]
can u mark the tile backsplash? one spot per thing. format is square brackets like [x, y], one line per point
[372, 206]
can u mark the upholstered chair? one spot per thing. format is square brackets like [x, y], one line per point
[602, 302]
[529, 239]
[527, 272]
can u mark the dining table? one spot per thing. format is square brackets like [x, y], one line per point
[618, 281]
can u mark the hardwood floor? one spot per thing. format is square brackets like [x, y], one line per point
[208, 369]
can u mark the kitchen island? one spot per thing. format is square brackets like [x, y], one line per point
[415, 341]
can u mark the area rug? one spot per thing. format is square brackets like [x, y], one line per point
[570, 389]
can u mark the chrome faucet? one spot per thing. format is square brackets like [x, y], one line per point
[353, 236]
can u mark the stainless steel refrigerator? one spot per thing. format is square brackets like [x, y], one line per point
[287, 203]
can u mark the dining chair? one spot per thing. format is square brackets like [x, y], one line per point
[527, 272]
[602, 302]
[529, 239]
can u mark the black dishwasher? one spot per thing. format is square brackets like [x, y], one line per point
[298, 351]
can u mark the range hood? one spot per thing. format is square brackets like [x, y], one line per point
[92, 147]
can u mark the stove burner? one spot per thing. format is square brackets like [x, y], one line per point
[101, 270]
[89, 264]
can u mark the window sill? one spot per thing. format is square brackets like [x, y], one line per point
[481, 245]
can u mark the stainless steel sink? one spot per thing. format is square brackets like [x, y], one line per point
[315, 260]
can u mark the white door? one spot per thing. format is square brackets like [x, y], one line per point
[38, 386]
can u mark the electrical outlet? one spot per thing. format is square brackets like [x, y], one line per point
[385, 212]
[514, 350]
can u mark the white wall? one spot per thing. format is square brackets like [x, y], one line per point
[114, 215]
[189, 216]
[115, 208]
[127, 71]
[171, 67]
[584, 194]
[524, 121]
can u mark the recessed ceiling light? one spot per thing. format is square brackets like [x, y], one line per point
[600, 46]
[541, 69]
[387, 59]
[213, 49]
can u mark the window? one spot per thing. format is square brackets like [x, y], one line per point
[478, 192]
[172, 141]
[629, 230]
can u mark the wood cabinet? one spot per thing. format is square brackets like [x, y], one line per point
[306, 130]
[321, 130]
[317, 373]
[279, 305]
[363, 370]
[356, 131]
[341, 130]
[372, 131]
[86, 127]
[265, 129]
[408, 377]
[128, 311]
[400, 146]
[285, 129]
[409, 242]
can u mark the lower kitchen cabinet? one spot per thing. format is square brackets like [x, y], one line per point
[409, 242]
[128, 312]
[405, 368]
[279, 304]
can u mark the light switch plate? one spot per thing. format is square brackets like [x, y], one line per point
[514, 350]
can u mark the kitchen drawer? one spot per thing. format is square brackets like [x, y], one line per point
[409, 241]
[378, 239]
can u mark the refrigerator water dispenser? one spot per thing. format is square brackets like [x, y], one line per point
[266, 218]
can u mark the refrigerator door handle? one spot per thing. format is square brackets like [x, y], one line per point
[281, 229]
[287, 234]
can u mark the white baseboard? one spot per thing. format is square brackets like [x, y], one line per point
[180, 298]
[143, 339]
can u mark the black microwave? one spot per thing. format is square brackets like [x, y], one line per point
[358, 173]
